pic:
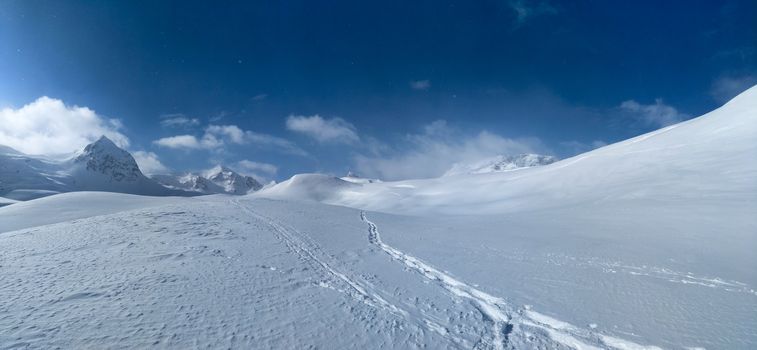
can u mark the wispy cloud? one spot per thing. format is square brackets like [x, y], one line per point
[653, 115]
[216, 136]
[420, 84]
[438, 147]
[334, 130]
[259, 97]
[253, 166]
[48, 126]
[727, 87]
[178, 121]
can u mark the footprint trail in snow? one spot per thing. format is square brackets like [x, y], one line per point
[505, 321]
[494, 309]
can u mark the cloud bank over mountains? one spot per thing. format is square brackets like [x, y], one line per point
[48, 126]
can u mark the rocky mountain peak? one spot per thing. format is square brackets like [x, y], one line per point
[105, 157]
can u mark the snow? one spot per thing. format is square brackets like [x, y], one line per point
[316, 187]
[217, 180]
[242, 271]
[709, 160]
[231, 181]
[354, 178]
[188, 182]
[6, 201]
[71, 206]
[644, 244]
[500, 163]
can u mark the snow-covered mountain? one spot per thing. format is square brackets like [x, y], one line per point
[231, 181]
[103, 166]
[25, 177]
[188, 182]
[104, 158]
[100, 166]
[500, 163]
[218, 179]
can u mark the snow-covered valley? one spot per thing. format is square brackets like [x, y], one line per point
[223, 272]
[644, 244]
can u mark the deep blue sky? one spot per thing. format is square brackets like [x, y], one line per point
[551, 74]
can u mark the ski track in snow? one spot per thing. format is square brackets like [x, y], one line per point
[308, 253]
[509, 327]
[295, 241]
[505, 322]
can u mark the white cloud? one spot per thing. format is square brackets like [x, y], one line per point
[178, 121]
[335, 130]
[260, 97]
[232, 132]
[420, 84]
[216, 136]
[655, 115]
[149, 163]
[48, 126]
[726, 88]
[437, 149]
[180, 141]
[249, 165]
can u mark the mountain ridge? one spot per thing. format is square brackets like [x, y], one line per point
[216, 180]
[99, 166]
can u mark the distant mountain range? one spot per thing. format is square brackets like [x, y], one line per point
[103, 166]
[219, 179]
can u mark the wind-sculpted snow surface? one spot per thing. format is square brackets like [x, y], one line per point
[495, 310]
[223, 271]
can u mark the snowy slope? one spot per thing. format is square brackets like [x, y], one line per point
[100, 166]
[72, 206]
[309, 186]
[708, 159]
[218, 271]
[6, 201]
[500, 163]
